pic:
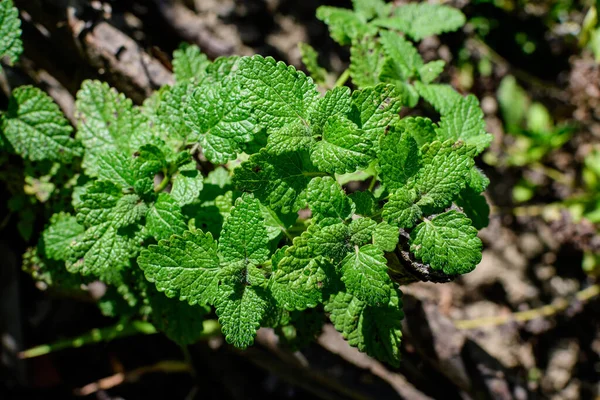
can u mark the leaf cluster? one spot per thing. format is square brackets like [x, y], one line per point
[229, 190]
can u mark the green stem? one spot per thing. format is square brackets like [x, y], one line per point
[343, 78]
[373, 183]
[122, 329]
[163, 184]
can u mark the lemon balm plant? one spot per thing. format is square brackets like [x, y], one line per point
[230, 190]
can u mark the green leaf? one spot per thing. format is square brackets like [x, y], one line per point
[11, 45]
[107, 121]
[101, 251]
[344, 25]
[448, 242]
[464, 121]
[220, 117]
[365, 275]
[441, 96]
[330, 241]
[366, 61]
[405, 57]
[398, 157]
[36, 128]
[278, 181]
[326, 199]
[361, 231]
[401, 209]
[343, 148]
[292, 137]
[185, 266]
[165, 218]
[374, 108]
[386, 236]
[189, 63]
[169, 116]
[244, 236]
[336, 102]
[240, 308]
[310, 60]
[446, 168]
[364, 202]
[116, 167]
[374, 330]
[279, 94]
[431, 70]
[371, 8]
[475, 206]
[187, 184]
[58, 236]
[421, 129]
[300, 276]
[477, 180]
[420, 20]
[181, 322]
[97, 202]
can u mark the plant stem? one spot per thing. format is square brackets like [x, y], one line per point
[120, 330]
[163, 184]
[373, 182]
[343, 78]
[523, 316]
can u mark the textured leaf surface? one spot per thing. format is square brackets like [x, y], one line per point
[181, 322]
[336, 101]
[278, 181]
[292, 137]
[240, 309]
[398, 158]
[278, 93]
[365, 275]
[374, 330]
[420, 20]
[386, 236]
[366, 61]
[421, 129]
[374, 108]
[464, 121]
[244, 236]
[59, 235]
[446, 167]
[475, 206]
[187, 184]
[220, 117]
[326, 199]
[343, 148]
[11, 45]
[189, 63]
[101, 251]
[36, 128]
[361, 231]
[300, 276]
[404, 55]
[448, 242]
[401, 209]
[107, 121]
[344, 25]
[441, 96]
[165, 218]
[186, 266]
